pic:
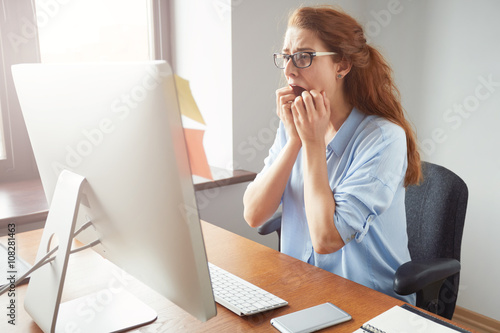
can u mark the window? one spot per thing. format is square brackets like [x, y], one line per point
[94, 30]
[68, 31]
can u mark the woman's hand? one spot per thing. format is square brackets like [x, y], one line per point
[311, 115]
[284, 99]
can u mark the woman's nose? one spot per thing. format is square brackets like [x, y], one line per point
[290, 69]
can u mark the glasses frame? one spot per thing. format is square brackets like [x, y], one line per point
[293, 56]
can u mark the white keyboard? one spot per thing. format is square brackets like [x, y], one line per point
[240, 296]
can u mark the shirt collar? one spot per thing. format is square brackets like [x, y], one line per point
[346, 131]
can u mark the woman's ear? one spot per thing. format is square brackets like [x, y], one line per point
[343, 68]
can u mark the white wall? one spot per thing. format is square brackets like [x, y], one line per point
[443, 54]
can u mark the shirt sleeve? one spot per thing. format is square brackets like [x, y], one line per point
[279, 143]
[375, 172]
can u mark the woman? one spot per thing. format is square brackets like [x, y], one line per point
[342, 156]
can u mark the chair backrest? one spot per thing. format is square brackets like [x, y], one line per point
[435, 213]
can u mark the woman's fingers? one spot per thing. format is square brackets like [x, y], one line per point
[306, 115]
[284, 97]
[311, 105]
[311, 113]
[284, 100]
[315, 101]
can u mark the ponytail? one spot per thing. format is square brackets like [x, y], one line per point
[371, 89]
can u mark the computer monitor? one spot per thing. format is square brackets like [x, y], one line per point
[118, 125]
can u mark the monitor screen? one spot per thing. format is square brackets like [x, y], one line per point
[119, 126]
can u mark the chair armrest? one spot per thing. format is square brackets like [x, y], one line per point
[416, 275]
[271, 225]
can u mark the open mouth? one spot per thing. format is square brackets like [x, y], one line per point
[297, 90]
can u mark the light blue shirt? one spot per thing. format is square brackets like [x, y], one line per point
[366, 162]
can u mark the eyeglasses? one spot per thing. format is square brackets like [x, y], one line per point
[300, 59]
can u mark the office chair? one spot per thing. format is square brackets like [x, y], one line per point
[435, 213]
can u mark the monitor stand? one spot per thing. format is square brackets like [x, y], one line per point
[43, 297]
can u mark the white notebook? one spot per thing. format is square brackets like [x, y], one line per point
[409, 320]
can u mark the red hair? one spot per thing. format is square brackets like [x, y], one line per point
[369, 85]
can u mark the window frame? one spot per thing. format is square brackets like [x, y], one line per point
[18, 44]
[161, 41]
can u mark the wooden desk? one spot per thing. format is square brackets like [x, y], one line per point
[302, 285]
